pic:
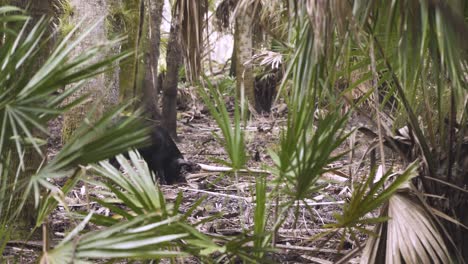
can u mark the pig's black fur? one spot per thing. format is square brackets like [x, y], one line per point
[162, 156]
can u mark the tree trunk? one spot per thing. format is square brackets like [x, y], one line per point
[26, 219]
[173, 60]
[36, 8]
[130, 16]
[243, 39]
[232, 70]
[100, 87]
[112, 78]
[150, 88]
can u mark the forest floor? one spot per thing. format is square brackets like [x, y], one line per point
[224, 194]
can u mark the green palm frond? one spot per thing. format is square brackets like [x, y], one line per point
[420, 56]
[89, 144]
[370, 196]
[426, 63]
[137, 189]
[142, 237]
[233, 135]
[11, 14]
[141, 224]
[29, 97]
[306, 152]
[149, 230]
[5, 204]
[307, 144]
[262, 236]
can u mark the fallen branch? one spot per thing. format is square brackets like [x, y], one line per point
[326, 176]
[246, 199]
[228, 169]
[301, 203]
[311, 249]
[28, 244]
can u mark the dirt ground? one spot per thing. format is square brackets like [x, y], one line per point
[226, 195]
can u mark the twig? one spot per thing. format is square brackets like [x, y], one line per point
[311, 249]
[228, 169]
[301, 203]
[81, 204]
[333, 177]
[30, 244]
[297, 231]
[349, 255]
[246, 199]
[320, 217]
[330, 177]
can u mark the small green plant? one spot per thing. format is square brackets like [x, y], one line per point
[65, 10]
[227, 85]
[182, 75]
[261, 235]
[367, 197]
[233, 135]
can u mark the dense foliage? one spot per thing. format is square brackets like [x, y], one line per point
[407, 61]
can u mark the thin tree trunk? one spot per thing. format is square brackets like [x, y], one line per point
[26, 219]
[112, 78]
[127, 72]
[173, 60]
[244, 74]
[150, 88]
[232, 70]
[36, 8]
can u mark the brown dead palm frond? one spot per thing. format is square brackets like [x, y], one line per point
[192, 19]
[273, 19]
[223, 14]
[325, 17]
[410, 236]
